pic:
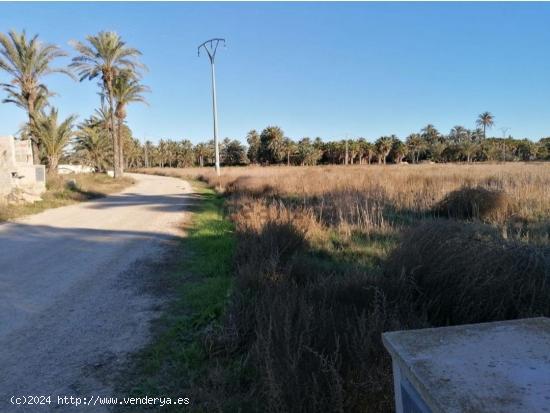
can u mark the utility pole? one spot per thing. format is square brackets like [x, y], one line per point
[146, 154]
[504, 130]
[347, 151]
[211, 46]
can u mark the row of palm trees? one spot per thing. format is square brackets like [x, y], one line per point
[272, 147]
[104, 56]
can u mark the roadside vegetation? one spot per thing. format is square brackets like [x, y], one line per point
[64, 190]
[198, 285]
[328, 258]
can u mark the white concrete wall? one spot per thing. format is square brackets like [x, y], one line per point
[17, 172]
[74, 169]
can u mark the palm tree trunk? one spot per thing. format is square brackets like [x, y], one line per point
[53, 161]
[120, 145]
[34, 139]
[114, 135]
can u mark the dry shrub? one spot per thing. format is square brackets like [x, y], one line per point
[454, 273]
[316, 353]
[312, 336]
[475, 203]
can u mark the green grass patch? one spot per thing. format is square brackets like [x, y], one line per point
[175, 363]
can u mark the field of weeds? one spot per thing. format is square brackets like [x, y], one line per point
[327, 258]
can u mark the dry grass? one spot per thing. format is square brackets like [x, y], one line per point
[456, 273]
[329, 257]
[376, 199]
[64, 190]
[414, 188]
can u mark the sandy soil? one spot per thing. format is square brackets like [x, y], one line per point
[74, 297]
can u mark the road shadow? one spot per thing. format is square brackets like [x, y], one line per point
[161, 203]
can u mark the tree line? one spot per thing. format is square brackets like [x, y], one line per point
[99, 140]
[272, 147]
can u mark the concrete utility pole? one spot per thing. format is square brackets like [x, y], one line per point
[504, 130]
[146, 154]
[211, 46]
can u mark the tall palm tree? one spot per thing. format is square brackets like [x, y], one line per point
[106, 56]
[53, 136]
[27, 61]
[485, 120]
[126, 89]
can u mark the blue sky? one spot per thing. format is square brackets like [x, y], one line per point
[315, 69]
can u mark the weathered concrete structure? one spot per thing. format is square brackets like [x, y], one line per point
[20, 180]
[500, 367]
[65, 169]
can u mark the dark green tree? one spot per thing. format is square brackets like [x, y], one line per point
[233, 153]
[253, 141]
[272, 145]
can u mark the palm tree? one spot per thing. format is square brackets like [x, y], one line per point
[399, 150]
[126, 89]
[469, 145]
[485, 120]
[272, 149]
[457, 133]
[27, 61]
[201, 150]
[383, 147]
[91, 144]
[106, 56]
[369, 151]
[430, 134]
[289, 148]
[416, 145]
[53, 136]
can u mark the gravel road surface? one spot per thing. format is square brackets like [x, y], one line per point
[73, 296]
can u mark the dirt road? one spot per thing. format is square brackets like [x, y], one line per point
[74, 300]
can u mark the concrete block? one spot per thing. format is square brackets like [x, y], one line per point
[490, 367]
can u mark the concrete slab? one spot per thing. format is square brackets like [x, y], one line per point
[495, 367]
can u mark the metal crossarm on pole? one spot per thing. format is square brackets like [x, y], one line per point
[211, 46]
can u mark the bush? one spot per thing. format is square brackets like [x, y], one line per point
[475, 203]
[454, 273]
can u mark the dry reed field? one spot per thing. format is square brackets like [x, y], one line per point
[328, 258]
